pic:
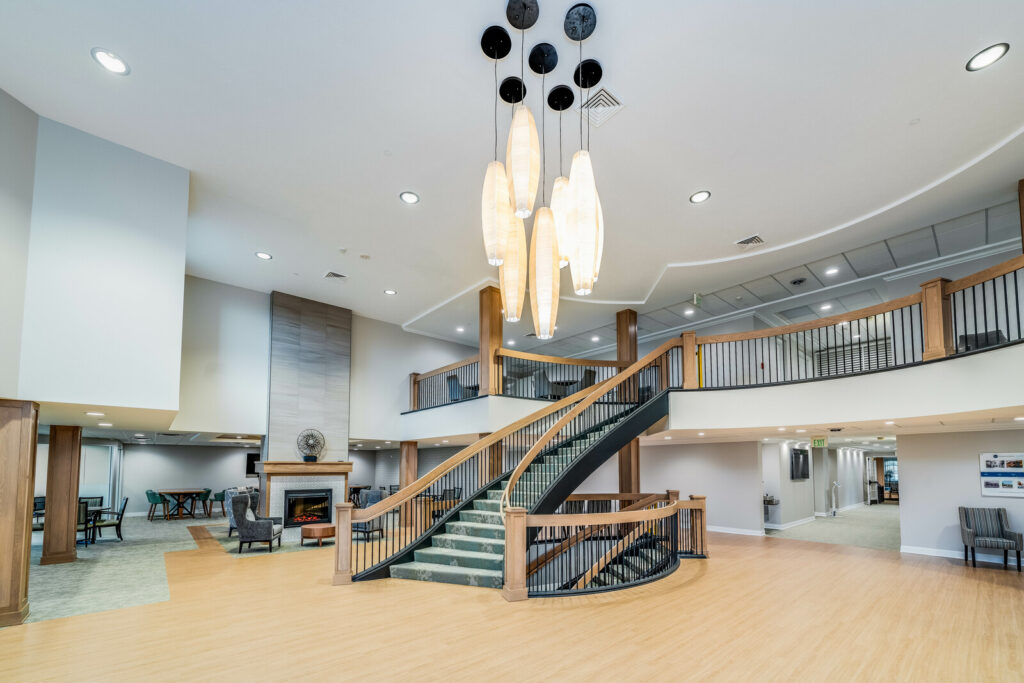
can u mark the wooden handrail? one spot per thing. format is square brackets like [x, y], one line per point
[604, 388]
[877, 309]
[423, 483]
[511, 353]
[448, 368]
[1016, 263]
[611, 496]
[621, 517]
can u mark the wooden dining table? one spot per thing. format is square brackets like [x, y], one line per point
[181, 496]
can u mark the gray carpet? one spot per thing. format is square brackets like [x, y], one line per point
[220, 532]
[867, 526]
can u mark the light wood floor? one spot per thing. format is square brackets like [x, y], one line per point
[759, 609]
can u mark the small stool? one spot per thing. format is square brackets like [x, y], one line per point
[317, 531]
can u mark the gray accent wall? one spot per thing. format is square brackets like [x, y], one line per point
[940, 472]
[310, 366]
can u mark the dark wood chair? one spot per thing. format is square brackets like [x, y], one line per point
[114, 522]
[84, 525]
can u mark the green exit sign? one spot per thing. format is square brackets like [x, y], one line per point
[819, 442]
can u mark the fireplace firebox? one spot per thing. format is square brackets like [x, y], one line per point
[307, 506]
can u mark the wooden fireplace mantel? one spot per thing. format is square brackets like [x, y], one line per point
[268, 469]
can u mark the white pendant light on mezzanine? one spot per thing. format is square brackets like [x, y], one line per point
[512, 272]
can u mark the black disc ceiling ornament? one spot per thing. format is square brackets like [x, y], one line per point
[522, 14]
[588, 73]
[580, 21]
[560, 98]
[495, 42]
[543, 58]
[512, 90]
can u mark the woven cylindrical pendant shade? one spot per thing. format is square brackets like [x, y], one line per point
[560, 205]
[544, 276]
[600, 239]
[512, 272]
[583, 218]
[522, 161]
[495, 212]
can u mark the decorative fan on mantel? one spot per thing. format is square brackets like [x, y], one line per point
[311, 443]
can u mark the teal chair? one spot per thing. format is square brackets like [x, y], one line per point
[204, 500]
[219, 498]
[154, 499]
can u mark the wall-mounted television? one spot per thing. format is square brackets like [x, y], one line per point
[250, 464]
[799, 464]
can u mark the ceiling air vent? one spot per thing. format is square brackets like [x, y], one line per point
[752, 242]
[331, 275]
[600, 107]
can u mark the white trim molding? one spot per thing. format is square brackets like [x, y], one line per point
[788, 525]
[734, 530]
[953, 554]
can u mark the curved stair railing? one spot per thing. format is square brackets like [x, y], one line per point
[538, 483]
[370, 540]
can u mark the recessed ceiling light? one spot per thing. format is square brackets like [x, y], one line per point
[556, 327]
[460, 330]
[782, 429]
[409, 197]
[511, 342]
[377, 447]
[263, 255]
[387, 442]
[444, 440]
[140, 436]
[92, 414]
[688, 311]
[115, 65]
[105, 424]
[700, 433]
[390, 292]
[668, 438]
[359, 445]
[988, 56]
[595, 338]
[1018, 419]
[832, 271]
[826, 307]
[700, 197]
[437, 444]
[856, 336]
[800, 431]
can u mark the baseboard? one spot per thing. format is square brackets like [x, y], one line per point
[733, 530]
[788, 525]
[953, 554]
[820, 514]
[136, 514]
[852, 506]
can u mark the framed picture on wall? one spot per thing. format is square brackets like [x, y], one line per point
[799, 464]
[1002, 475]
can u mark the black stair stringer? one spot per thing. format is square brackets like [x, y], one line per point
[570, 479]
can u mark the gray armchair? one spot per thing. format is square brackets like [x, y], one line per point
[254, 495]
[368, 498]
[253, 528]
[457, 392]
[989, 528]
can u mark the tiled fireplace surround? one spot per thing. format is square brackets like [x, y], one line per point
[336, 482]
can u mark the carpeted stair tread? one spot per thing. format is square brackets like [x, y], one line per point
[439, 573]
[474, 543]
[460, 558]
[481, 517]
[487, 505]
[461, 528]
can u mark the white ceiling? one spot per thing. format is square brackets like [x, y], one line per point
[823, 127]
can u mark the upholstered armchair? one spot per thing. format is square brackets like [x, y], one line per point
[231, 493]
[457, 392]
[374, 526]
[253, 528]
[989, 528]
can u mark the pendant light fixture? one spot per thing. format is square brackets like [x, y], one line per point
[522, 153]
[495, 203]
[512, 272]
[561, 98]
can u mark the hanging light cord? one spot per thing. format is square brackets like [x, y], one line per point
[495, 108]
[580, 84]
[560, 174]
[543, 144]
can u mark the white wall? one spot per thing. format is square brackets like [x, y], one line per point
[605, 479]
[383, 356]
[850, 475]
[940, 472]
[729, 474]
[166, 467]
[18, 125]
[103, 295]
[225, 359]
[477, 416]
[796, 496]
[364, 466]
[93, 471]
[386, 468]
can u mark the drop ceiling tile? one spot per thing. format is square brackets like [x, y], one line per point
[680, 310]
[667, 317]
[738, 296]
[961, 233]
[714, 305]
[645, 324]
[871, 260]
[766, 289]
[1003, 222]
[834, 308]
[857, 300]
[837, 261]
[786, 277]
[913, 247]
[798, 314]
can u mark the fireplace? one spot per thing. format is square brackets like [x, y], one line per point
[307, 506]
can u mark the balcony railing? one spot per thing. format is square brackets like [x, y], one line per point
[452, 383]
[531, 375]
[985, 308]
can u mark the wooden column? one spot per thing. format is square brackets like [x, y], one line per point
[408, 463]
[490, 340]
[63, 460]
[18, 424]
[343, 544]
[936, 319]
[515, 555]
[691, 380]
[626, 351]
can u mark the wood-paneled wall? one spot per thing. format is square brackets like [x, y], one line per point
[310, 364]
[18, 421]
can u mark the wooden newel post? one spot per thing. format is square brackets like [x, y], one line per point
[936, 319]
[703, 522]
[673, 496]
[515, 555]
[343, 544]
[414, 391]
[689, 360]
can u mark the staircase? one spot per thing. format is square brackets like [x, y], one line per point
[471, 550]
[647, 557]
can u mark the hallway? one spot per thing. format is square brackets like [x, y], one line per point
[866, 526]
